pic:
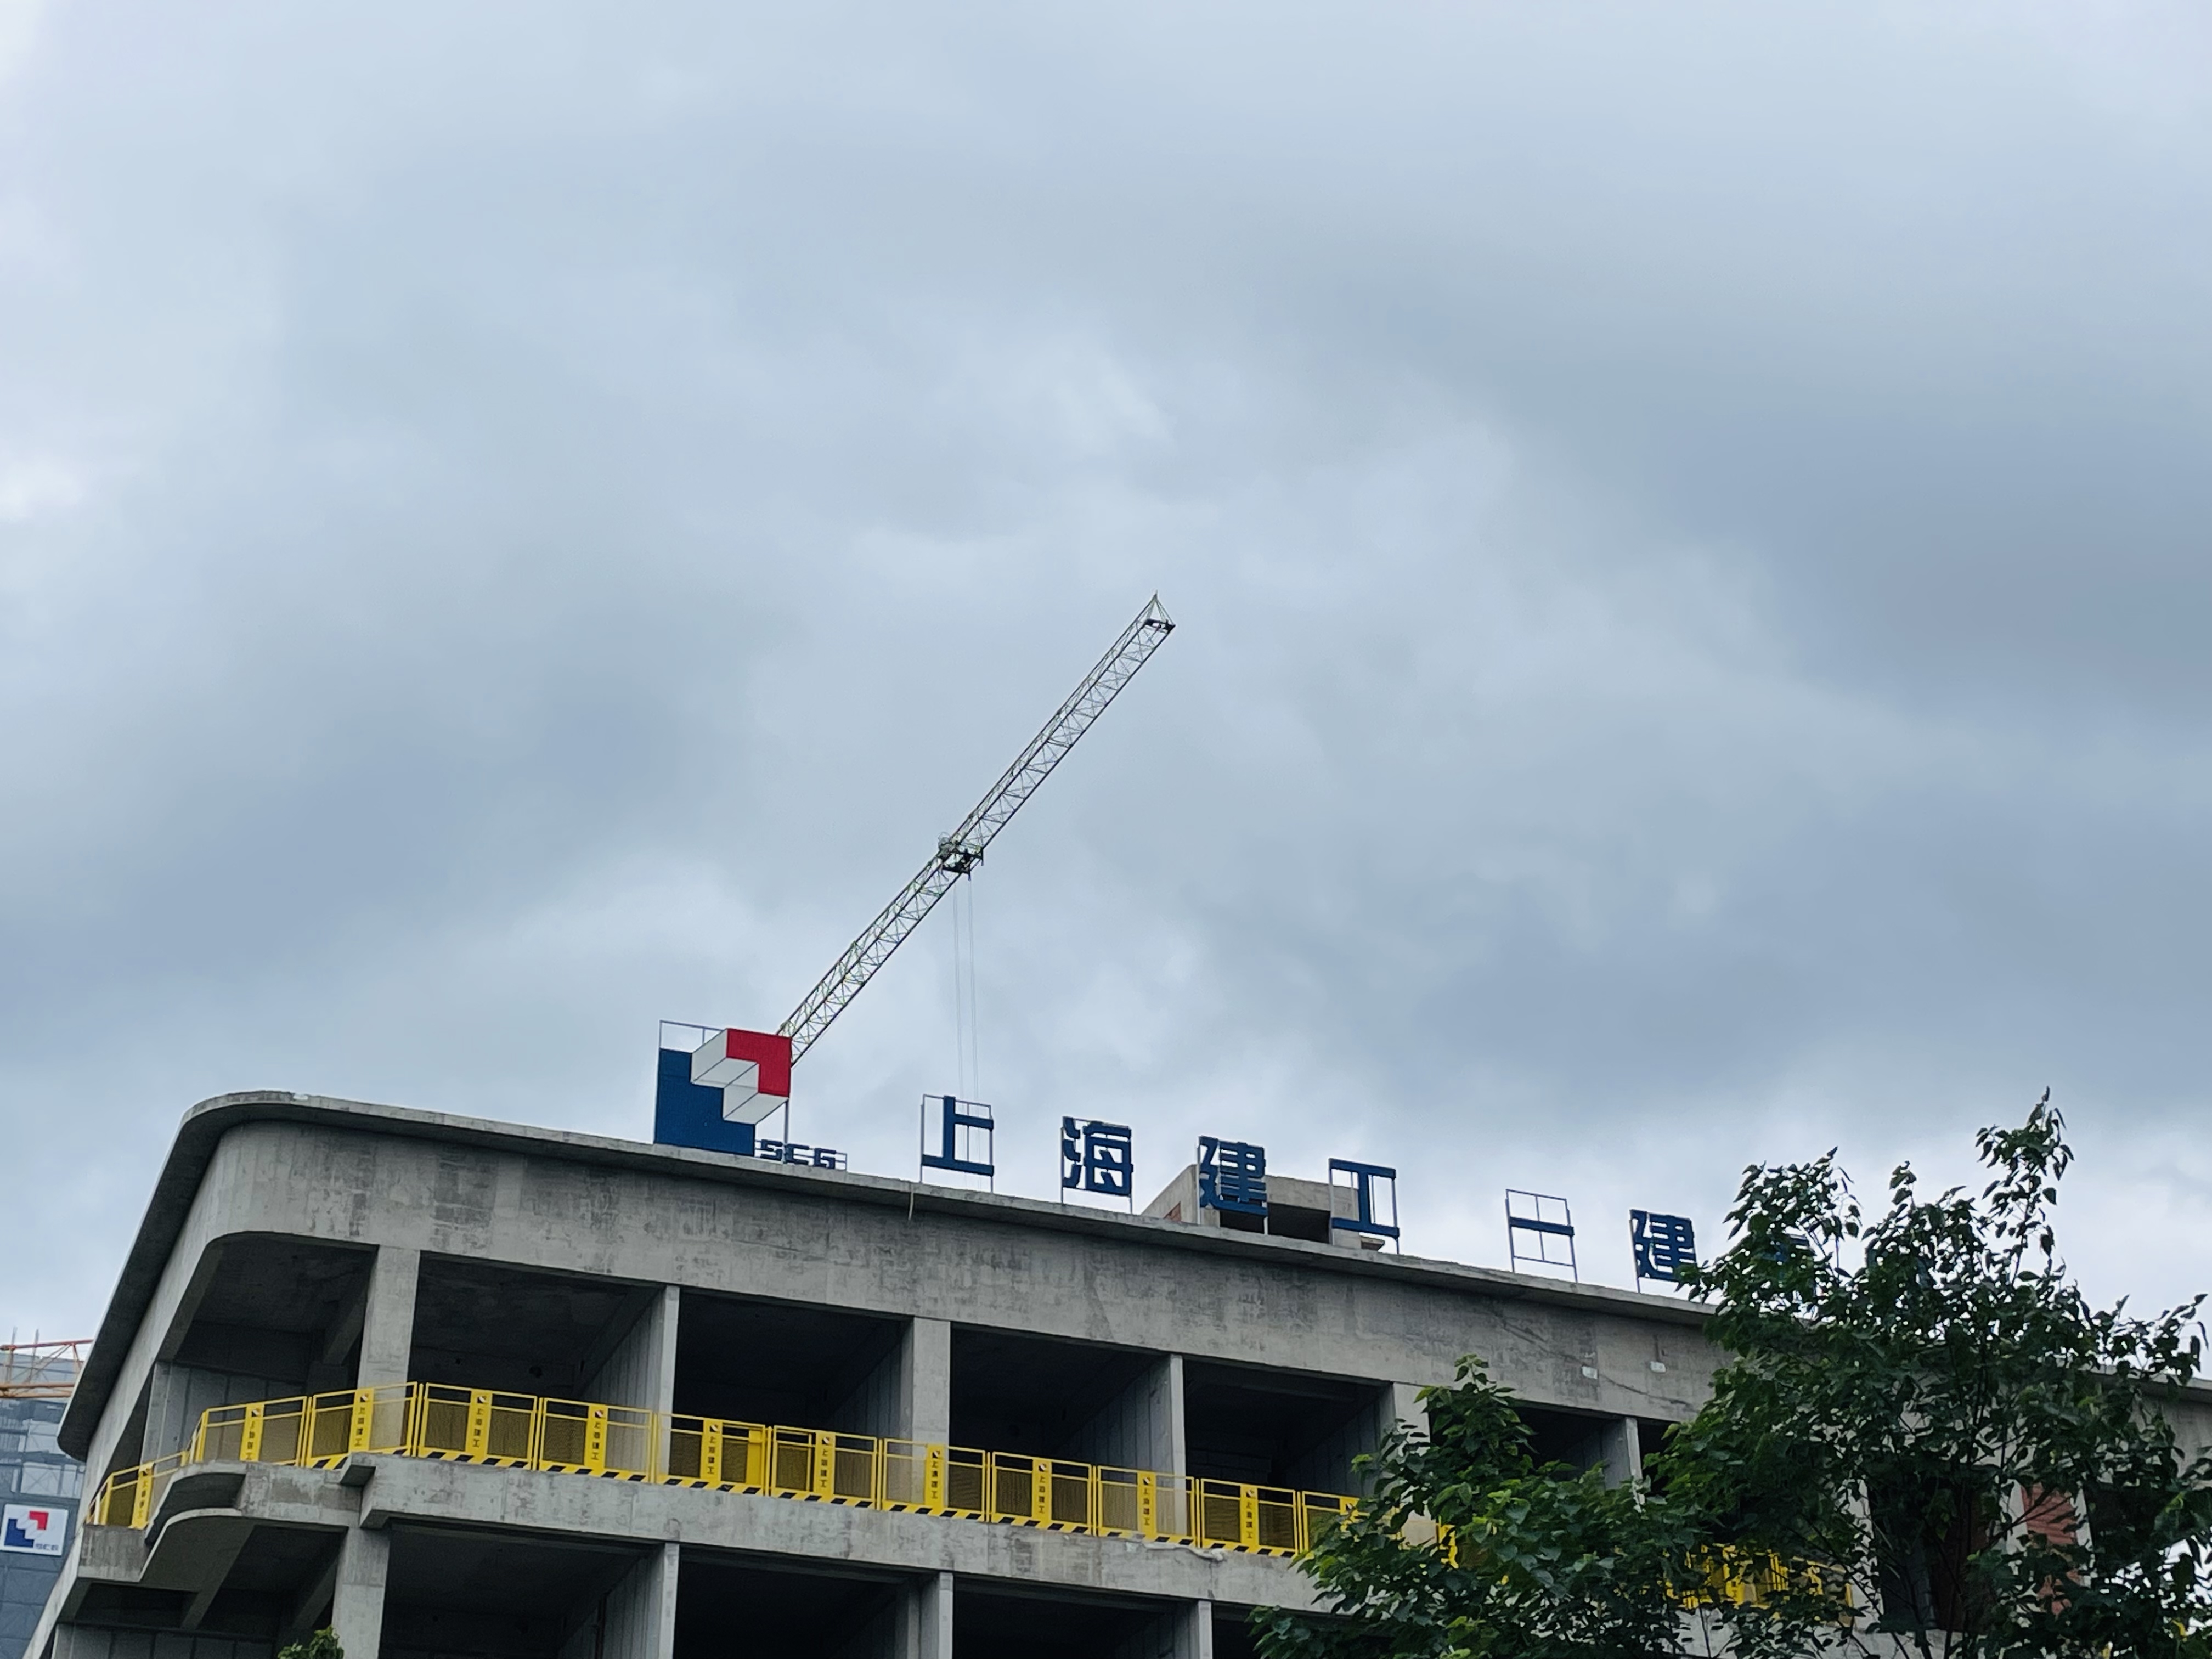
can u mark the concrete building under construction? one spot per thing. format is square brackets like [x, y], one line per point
[470, 1390]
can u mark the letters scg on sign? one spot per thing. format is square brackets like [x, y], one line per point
[34, 1529]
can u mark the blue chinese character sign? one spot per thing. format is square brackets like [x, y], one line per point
[963, 1136]
[1232, 1176]
[1664, 1246]
[1539, 1231]
[1374, 1191]
[1095, 1158]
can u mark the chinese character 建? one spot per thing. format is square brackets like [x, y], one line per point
[1664, 1245]
[1232, 1175]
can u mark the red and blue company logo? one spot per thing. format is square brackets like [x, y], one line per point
[31, 1529]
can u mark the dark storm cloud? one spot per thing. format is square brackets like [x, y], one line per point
[1688, 528]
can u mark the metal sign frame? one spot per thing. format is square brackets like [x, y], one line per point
[960, 1121]
[1544, 1228]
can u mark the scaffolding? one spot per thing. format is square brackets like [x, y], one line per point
[39, 1370]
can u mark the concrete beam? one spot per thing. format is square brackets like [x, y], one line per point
[307, 1610]
[413, 1490]
[213, 1574]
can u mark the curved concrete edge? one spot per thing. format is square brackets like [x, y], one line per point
[195, 1549]
[203, 1128]
[192, 1549]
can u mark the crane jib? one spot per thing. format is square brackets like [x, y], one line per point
[958, 853]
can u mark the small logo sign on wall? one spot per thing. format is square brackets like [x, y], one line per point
[30, 1530]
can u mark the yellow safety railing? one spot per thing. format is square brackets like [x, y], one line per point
[484, 1425]
[1744, 1577]
[1748, 1578]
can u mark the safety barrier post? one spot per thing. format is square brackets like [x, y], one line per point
[249, 1436]
[361, 1433]
[1247, 1517]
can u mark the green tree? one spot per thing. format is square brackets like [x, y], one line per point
[1467, 1547]
[1928, 1406]
[322, 1645]
[1955, 1454]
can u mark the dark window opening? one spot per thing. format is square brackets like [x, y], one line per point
[1574, 1439]
[1044, 1397]
[1926, 1537]
[788, 1365]
[484, 1325]
[1000, 1624]
[1278, 1428]
[726, 1607]
[452, 1593]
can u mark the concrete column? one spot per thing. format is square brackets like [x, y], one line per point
[177, 1396]
[926, 1389]
[387, 1322]
[924, 1622]
[1141, 1427]
[1620, 1451]
[1182, 1631]
[640, 1369]
[1400, 1403]
[661, 1383]
[1197, 1639]
[1404, 1403]
[641, 1610]
[1174, 1431]
[357, 1599]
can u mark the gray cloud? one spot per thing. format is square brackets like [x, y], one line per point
[1689, 530]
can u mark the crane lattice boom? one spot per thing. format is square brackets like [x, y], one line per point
[959, 852]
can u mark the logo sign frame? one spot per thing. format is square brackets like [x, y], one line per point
[34, 1529]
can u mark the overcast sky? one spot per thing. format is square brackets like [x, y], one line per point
[1688, 528]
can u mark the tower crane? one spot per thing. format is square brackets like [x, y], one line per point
[711, 1095]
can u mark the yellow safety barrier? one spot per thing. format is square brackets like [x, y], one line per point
[484, 1425]
[1748, 1577]
[1744, 1577]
